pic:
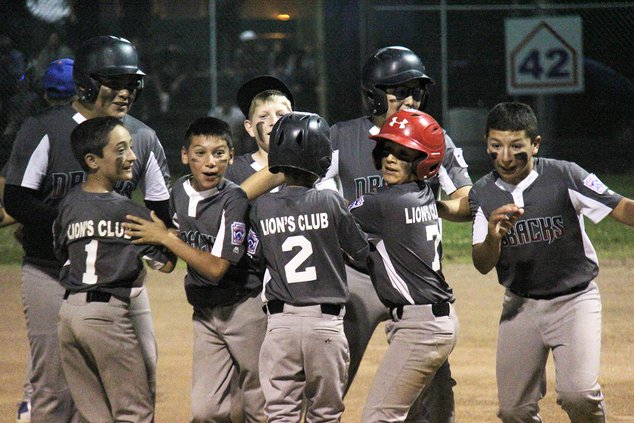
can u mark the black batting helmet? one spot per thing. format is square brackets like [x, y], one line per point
[301, 141]
[104, 55]
[391, 66]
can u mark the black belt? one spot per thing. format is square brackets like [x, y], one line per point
[572, 290]
[91, 296]
[276, 306]
[438, 310]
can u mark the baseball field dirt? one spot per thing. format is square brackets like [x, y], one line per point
[478, 304]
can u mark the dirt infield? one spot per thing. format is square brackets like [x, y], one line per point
[473, 361]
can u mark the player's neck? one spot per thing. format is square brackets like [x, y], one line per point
[97, 184]
[261, 157]
[377, 120]
[85, 111]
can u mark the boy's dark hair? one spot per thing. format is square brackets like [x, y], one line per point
[512, 116]
[91, 136]
[209, 127]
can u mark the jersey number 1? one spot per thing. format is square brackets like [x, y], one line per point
[90, 276]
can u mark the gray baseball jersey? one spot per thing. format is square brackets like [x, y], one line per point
[213, 221]
[402, 226]
[90, 241]
[301, 233]
[357, 174]
[42, 160]
[242, 167]
[547, 252]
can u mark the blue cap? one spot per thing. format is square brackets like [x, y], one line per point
[58, 79]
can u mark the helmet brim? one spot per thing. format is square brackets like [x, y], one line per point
[399, 139]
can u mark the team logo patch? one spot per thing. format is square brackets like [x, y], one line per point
[238, 231]
[356, 203]
[252, 242]
[595, 184]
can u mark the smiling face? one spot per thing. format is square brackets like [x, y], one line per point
[116, 95]
[117, 158]
[396, 163]
[265, 113]
[406, 96]
[512, 154]
[208, 158]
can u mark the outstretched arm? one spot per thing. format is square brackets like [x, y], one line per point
[486, 254]
[456, 210]
[624, 211]
[155, 232]
[261, 182]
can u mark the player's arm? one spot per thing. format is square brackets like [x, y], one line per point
[624, 211]
[486, 254]
[460, 192]
[156, 233]
[25, 206]
[455, 210]
[162, 210]
[5, 218]
[156, 179]
[261, 182]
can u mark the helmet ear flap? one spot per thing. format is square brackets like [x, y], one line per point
[419, 167]
[86, 94]
[423, 101]
[324, 163]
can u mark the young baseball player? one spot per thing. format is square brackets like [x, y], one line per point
[263, 100]
[528, 224]
[301, 233]
[401, 220]
[40, 172]
[100, 352]
[210, 213]
[393, 78]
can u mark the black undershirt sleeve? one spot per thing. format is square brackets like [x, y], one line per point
[162, 210]
[25, 206]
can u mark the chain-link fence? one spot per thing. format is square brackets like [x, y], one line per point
[197, 52]
[463, 45]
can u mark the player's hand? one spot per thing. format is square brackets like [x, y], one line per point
[502, 220]
[145, 231]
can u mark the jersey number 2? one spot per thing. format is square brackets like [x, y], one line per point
[293, 275]
[90, 276]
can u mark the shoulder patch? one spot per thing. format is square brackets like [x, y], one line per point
[252, 242]
[356, 203]
[238, 231]
[595, 184]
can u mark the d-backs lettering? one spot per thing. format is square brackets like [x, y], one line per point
[62, 182]
[198, 240]
[367, 184]
[539, 229]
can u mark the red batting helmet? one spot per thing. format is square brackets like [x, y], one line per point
[416, 130]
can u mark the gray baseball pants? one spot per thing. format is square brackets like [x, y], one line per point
[42, 297]
[570, 327]
[364, 312]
